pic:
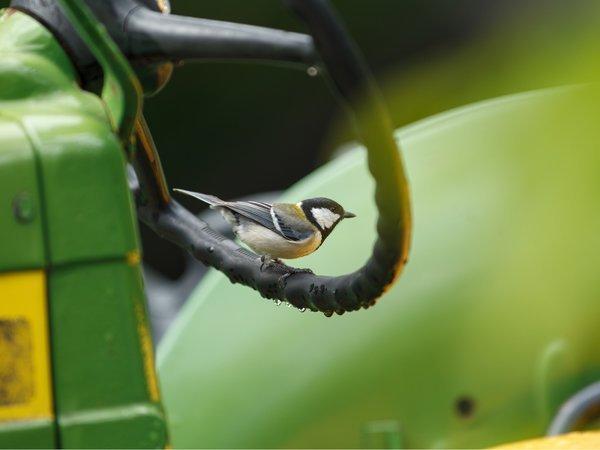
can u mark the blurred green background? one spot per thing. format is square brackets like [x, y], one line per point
[491, 327]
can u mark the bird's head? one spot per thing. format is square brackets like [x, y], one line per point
[324, 213]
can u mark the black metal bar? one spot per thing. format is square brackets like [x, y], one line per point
[155, 36]
[145, 35]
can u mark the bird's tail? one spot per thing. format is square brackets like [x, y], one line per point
[210, 199]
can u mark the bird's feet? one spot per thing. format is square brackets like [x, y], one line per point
[265, 261]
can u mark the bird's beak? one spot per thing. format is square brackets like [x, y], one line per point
[348, 215]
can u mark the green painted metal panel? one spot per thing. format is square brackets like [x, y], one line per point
[132, 426]
[27, 434]
[85, 188]
[21, 231]
[82, 165]
[33, 63]
[105, 390]
[493, 324]
[121, 90]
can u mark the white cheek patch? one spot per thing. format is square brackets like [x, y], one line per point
[324, 217]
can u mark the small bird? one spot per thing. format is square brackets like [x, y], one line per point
[280, 230]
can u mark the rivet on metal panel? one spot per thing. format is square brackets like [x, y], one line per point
[23, 208]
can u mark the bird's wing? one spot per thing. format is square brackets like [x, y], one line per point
[270, 216]
[258, 212]
[289, 223]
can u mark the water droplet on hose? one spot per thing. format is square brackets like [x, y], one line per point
[277, 302]
[301, 309]
[312, 71]
[211, 249]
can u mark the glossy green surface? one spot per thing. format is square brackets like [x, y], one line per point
[56, 141]
[133, 426]
[76, 308]
[102, 392]
[79, 159]
[27, 434]
[492, 325]
[88, 206]
[21, 239]
[121, 90]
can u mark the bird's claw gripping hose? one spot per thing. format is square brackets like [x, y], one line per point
[304, 290]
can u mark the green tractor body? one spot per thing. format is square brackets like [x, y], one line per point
[77, 367]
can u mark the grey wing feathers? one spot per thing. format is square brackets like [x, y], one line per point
[288, 232]
[256, 211]
[290, 222]
[259, 212]
[266, 215]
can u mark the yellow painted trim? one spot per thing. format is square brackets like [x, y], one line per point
[24, 346]
[147, 353]
[575, 440]
[145, 141]
[164, 72]
[133, 257]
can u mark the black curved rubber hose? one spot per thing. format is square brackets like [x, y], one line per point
[329, 295]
